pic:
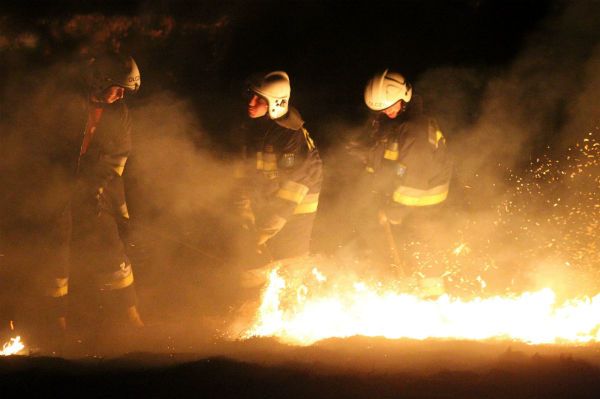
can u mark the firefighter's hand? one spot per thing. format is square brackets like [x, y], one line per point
[262, 239]
[245, 213]
[87, 193]
[248, 219]
[269, 229]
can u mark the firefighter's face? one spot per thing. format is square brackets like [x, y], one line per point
[257, 107]
[393, 111]
[109, 95]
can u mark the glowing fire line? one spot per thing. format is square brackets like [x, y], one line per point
[532, 317]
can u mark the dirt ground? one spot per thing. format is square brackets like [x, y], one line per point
[343, 368]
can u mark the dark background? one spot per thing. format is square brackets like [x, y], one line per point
[329, 48]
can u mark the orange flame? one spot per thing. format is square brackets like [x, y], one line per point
[315, 308]
[12, 347]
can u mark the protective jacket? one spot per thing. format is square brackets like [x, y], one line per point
[408, 161]
[280, 181]
[98, 206]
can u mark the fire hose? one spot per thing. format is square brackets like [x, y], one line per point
[180, 242]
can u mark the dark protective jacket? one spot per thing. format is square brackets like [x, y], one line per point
[408, 161]
[102, 158]
[281, 177]
[98, 206]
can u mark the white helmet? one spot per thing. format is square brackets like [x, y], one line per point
[275, 88]
[386, 89]
[113, 70]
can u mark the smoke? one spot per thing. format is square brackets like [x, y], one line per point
[518, 135]
[498, 120]
[178, 191]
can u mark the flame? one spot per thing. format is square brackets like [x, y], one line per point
[343, 308]
[12, 347]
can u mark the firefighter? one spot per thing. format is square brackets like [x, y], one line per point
[282, 173]
[409, 166]
[98, 210]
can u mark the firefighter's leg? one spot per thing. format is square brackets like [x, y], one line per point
[118, 296]
[102, 253]
[422, 230]
[294, 239]
[57, 258]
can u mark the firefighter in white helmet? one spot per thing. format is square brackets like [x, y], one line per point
[98, 210]
[408, 163]
[280, 180]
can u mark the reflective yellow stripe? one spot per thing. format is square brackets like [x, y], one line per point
[117, 162]
[266, 162]
[123, 211]
[309, 142]
[308, 205]
[439, 136]
[391, 155]
[435, 134]
[292, 191]
[391, 152]
[259, 161]
[60, 287]
[117, 280]
[370, 169]
[414, 197]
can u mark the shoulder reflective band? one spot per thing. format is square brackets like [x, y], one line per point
[114, 281]
[391, 152]
[309, 204]
[58, 287]
[414, 197]
[116, 162]
[292, 191]
[309, 142]
[370, 169]
[266, 161]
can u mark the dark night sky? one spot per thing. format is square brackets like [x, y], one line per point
[326, 46]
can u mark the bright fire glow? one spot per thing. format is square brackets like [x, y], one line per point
[304, 310]
[12, 347]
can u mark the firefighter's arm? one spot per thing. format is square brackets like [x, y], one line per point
[115, 149]
[241, 194]
[300, 170]
[418, 182]
[413, 171]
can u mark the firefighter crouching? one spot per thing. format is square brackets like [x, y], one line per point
[98, 208]
[280, 179]
[410, 170]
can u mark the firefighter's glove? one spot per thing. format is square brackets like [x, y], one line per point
[89, 194]
[245, 213]
[269, 229]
